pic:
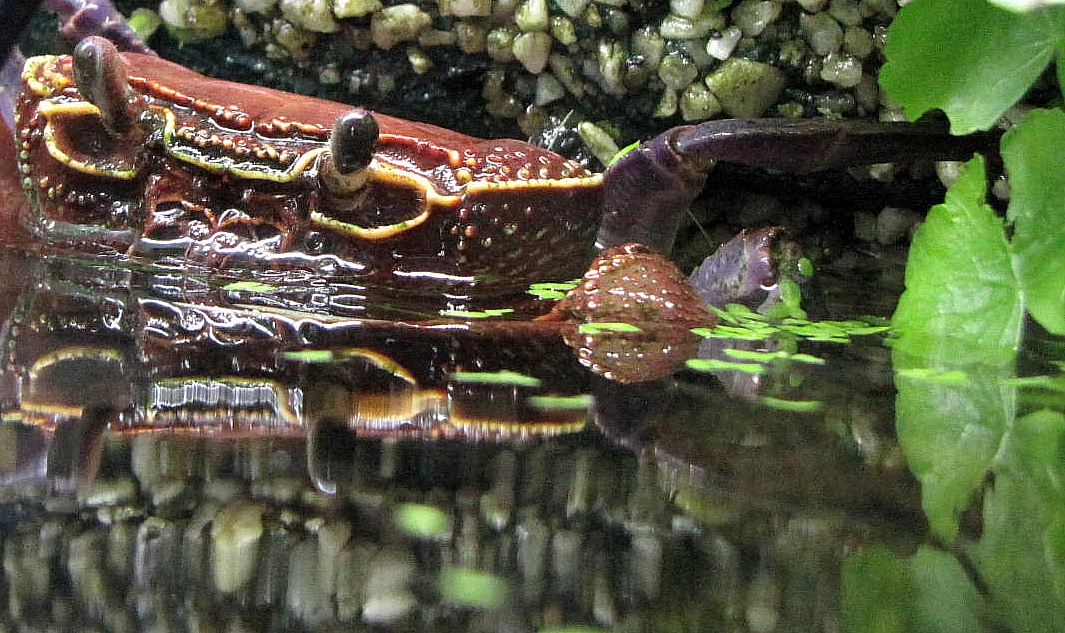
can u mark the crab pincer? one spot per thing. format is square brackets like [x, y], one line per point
[668, 172]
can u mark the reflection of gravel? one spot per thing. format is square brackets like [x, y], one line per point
[633, 66]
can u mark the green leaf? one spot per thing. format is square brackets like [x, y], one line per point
[476, 314]
[1025, 5]
[603, 327]
[961, 312]
[966, 57]
[962, 306]
[950, 432]
[472, 588]
[422, 521]
[1033, 152]
[504, 377]
[309, 355]
[1021, 553]
[928, 592]
[798, 406]
[713, 364]
[248, 286]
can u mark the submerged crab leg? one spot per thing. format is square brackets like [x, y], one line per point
[666, 173]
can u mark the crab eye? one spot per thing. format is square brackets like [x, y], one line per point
[100, 72]
[345, 165]
[353, 141]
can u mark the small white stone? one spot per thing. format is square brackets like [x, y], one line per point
[532, 50]
[721, 46]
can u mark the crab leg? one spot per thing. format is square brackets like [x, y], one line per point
[82, 18]
[666, 173]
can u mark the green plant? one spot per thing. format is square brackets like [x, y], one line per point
[974, 60]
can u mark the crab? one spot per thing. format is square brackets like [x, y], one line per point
[129, 156]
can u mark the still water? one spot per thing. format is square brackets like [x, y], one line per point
[176, 455]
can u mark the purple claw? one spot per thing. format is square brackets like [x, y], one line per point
[647, 191]
[82, 18]
[10, 83]
[739, 270]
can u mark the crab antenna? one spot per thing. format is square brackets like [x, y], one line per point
[344, 167]
[101, 75]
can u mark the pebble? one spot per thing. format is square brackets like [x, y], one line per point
[313, 15]
[845, 12]
[548, 89]
[752, 16]
[895, 223]
[745, 88]
[388, 593]
[458, 8]
[532, 15]
[822, 33]
[532, 50]
[675, 27]
[687, 8]
[597, 140]
[698, 103]
[470, 36]
[857, 41]
[399, 23]
[842, 69]
[344, 9]
[677, 70]
[235, 533]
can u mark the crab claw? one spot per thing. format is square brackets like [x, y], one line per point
[669, 171]
[101, 74]
[345, 166]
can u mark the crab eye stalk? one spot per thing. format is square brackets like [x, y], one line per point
[351, 150]
[101, 75]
